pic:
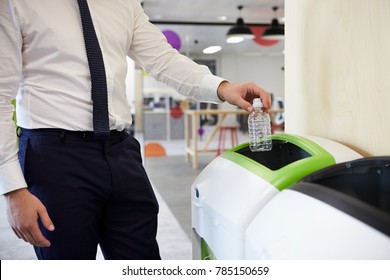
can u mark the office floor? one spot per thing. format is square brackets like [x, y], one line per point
[171, 177]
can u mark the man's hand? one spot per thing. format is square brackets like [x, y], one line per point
[24, 209]
[242, 95]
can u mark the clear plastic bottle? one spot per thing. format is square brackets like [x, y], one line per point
[259, 127]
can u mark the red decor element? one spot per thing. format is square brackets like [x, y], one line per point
[176, 112]
[258, 31]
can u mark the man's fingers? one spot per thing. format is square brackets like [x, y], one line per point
[246, 106]
[33, 235]
[36, 238]
[265, 96]
[250, 91]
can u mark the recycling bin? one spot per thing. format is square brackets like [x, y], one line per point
[339, 212]
[235, 186]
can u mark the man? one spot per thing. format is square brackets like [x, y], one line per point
[79, 188]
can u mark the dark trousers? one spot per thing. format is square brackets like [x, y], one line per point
[95, 190]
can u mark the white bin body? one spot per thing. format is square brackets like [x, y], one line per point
[226, 196]
[225, 199]
[297, 226]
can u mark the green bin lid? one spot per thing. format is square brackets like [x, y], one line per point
[290, 173]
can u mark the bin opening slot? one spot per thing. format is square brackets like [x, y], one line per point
[368, 183]
[282, 154]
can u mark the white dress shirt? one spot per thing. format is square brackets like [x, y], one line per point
[43, 64]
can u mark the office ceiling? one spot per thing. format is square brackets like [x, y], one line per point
[199, 23]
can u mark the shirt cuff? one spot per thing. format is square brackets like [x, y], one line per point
[210, 92]
[11, 177]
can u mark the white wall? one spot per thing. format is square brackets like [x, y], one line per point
[264, 67]
[265, 70]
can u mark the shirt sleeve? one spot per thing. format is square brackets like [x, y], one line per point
[150, 49]
[11, 176]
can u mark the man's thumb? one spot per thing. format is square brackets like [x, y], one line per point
[45, 219]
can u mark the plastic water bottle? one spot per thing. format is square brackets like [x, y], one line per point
[259, 127]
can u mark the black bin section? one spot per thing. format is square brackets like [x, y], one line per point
[282, 154]
[360, 188]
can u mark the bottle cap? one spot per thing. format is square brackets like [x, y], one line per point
[257, 103]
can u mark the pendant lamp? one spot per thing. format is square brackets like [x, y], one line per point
[239, 32]
[275, 31]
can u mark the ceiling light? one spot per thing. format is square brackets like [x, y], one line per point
[239, 32]
[212, 49]
[234, 39]
[275, 31]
